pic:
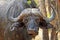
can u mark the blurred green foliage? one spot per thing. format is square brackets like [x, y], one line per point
[36, 1]
[29, 1]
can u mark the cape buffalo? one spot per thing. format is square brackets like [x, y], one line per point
[27, 24]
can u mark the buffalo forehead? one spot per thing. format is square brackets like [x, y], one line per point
[29, 11]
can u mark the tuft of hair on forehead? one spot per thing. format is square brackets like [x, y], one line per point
[30, 12]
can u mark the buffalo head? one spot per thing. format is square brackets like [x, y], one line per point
[31, 19]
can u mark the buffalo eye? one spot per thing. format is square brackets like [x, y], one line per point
[25, 20]
[37, 20]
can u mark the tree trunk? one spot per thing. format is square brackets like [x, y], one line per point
[45, 34]
[48, 8]
[54, 34]
[43, 11]
[55, 23]
[42, 7]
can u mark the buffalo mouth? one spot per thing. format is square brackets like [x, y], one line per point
[32, 33]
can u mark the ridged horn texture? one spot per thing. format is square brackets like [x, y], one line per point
[10, 14]
[29, 11]
[22, 14]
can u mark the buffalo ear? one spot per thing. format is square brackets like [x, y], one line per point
[49, 26]
[18, 24]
